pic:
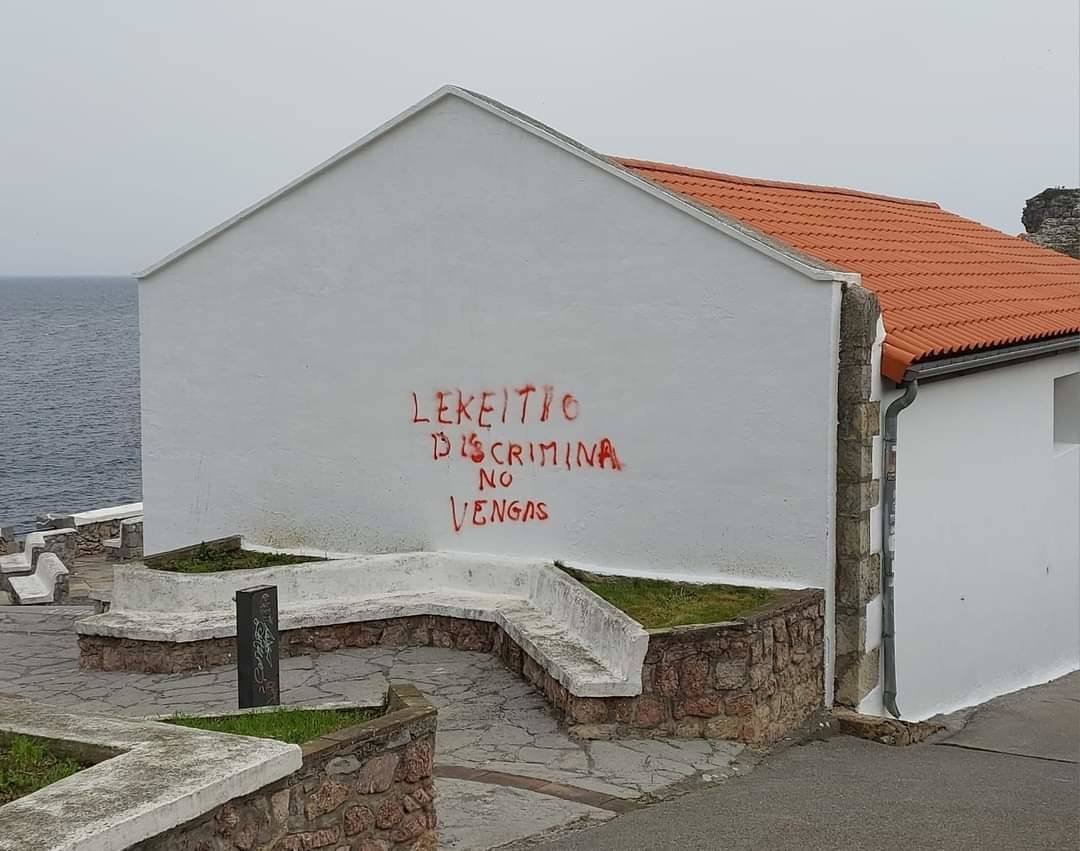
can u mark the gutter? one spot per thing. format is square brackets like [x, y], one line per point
[947, 367]
[888, 525]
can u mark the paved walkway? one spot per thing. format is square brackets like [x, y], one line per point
[1010, 779]
[505, 770]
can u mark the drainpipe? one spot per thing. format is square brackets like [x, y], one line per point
[888, 525]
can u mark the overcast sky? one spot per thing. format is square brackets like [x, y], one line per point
[127, 128]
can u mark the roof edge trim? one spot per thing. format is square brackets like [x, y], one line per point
[748, 236]
[988, 358]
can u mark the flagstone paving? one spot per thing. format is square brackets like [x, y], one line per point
[497, 740]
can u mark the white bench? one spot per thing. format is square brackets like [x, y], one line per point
[587, 645]
[40, 586]
[34, 545]
[128, 542]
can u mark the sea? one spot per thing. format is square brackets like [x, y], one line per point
[69, 396]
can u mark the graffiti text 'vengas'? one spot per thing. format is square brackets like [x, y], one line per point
[495, 458]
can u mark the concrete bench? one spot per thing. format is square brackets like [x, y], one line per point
[61, 542]
[47, 584]
[128, 543]
[587, 645]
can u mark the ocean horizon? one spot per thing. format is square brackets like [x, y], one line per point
[69, 405]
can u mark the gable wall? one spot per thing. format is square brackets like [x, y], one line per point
[280, 358]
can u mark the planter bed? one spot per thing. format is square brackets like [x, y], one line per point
[752, 678]
[367, 784]
[221, 555]
[294, 726]
[661, 604]
[28, 764]
[165, 787]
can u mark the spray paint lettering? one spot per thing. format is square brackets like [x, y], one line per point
[472, 415]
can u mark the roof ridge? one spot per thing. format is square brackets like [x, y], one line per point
[757, 181]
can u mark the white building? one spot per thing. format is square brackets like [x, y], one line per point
[469, 332]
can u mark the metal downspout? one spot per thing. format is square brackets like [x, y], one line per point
[888, 524]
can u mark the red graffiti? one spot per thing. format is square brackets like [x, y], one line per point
[481, 512]
[416, 418]
[488, 478]
[456, 407]
[524, 404]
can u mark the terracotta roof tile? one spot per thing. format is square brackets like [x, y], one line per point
[946, 284]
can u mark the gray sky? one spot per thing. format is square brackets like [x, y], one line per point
[130, 127]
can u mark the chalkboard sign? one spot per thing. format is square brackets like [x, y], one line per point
[258, 680]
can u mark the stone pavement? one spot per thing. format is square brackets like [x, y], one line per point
[1009, 779]
[91, 577]
[504, 768]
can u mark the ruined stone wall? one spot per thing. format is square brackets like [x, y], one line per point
[366, 788]
[1052, 220]
[754, 679]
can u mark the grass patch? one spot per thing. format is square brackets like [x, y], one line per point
[294, 726]
[657, 603]
[206, 560]
[27, 765]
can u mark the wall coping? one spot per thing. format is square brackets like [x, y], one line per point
[104, 515]
[156, 777]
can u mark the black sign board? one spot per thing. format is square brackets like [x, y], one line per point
[258, 681]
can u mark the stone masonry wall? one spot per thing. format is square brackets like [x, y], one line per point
[131, 539]
[858, 570]
[93, 535]
[754, 679]
[366, 788]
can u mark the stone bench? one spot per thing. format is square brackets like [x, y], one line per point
[47, 584]
[128, 543]
[94, 527]
[588, 646]
[754, 679]
[60, 542]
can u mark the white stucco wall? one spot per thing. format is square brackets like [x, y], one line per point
[987, 539]
[458, 251]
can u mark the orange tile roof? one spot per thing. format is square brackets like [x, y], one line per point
[946, 284]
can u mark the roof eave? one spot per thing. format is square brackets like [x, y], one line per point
[952, 366]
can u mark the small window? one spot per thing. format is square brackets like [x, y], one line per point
[1067, 409]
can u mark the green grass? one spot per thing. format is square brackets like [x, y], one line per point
[656, 603]
[206, 560]
[295, 726]
[27, 765]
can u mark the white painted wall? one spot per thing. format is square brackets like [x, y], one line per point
[458, 251]
[987, 539]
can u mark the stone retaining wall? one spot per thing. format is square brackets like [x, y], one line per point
[754, 679]
[92, 536]
[364, 788]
